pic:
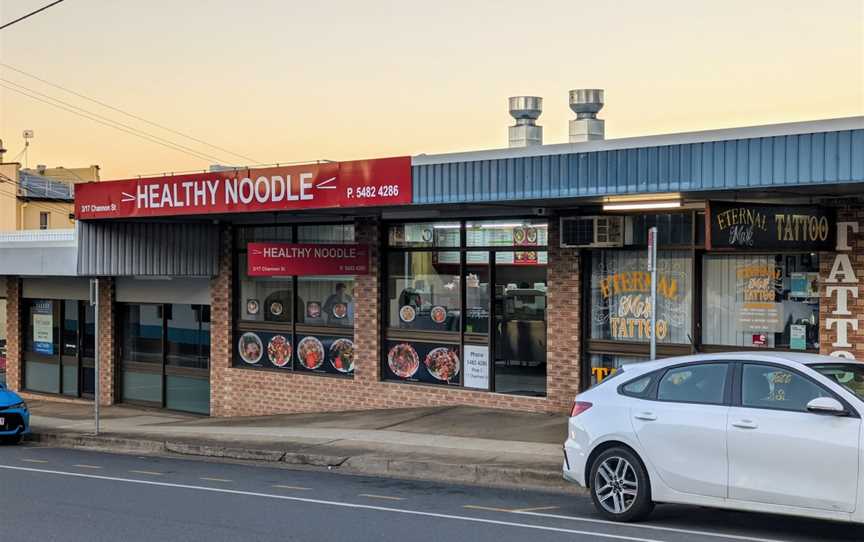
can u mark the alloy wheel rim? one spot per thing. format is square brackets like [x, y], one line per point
[616, 485]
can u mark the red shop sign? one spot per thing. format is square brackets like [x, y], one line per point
[269, 259]
[361, 183]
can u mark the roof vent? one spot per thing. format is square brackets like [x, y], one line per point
[586, 103]
[526, 110]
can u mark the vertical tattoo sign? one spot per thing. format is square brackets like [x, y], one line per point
[842, 284]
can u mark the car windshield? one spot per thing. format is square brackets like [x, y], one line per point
[848, 375]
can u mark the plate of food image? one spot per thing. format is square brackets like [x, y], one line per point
[438, 314]
[250, 348]
[342, 355]
[519, 235]
[403, 360]
[279, 351]
[531, 235]
[340, 310]
[310, 352]
[407, 313]
[252, 306]
[442, 363]
[276, 308]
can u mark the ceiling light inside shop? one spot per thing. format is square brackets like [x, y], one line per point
[503, 225]
[642, 205]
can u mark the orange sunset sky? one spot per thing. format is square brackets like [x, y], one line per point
[289, 81]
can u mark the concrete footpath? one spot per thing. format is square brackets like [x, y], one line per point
[448, 444]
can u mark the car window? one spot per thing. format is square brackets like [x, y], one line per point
[638, 387]
[767, 386]
[848, 375]
[694, 384]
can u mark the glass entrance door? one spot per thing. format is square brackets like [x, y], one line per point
[88, 351]
[520, 323]
[70, 346]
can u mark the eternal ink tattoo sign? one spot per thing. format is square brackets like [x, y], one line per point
[749, 226]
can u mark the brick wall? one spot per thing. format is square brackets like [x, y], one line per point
[842, 302]
[107, 345]
[248, 392]
[13, 333]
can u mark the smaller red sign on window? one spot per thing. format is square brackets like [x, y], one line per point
[272, 259]
[760, 339]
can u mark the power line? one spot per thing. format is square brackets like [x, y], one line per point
[131, 115]
[32, 13]
[111, 123]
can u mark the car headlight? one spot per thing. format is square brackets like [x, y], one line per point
[22, 406]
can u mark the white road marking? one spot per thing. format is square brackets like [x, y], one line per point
[34, 460]
[299, 488]
[87, 466]
[336, 503]
[653, 527]
[535, 509]
[215, 479]
[385, 497]
[147, 472]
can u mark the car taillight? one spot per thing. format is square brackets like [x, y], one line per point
[579, 407]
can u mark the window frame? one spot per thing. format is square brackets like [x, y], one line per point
[737, 395]
[292, 328]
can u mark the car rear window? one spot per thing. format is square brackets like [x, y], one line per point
[640, 387]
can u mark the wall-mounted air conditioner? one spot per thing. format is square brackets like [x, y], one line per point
[592, 231]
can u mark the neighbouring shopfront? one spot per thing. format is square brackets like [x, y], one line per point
[58, 337]
[736, 276]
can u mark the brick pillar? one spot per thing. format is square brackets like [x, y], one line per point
[107, 344]
[14, 361]
[221, 314]
[563, 306]
[841, 310]
[367, 303]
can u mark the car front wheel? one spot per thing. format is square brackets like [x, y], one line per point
[620, 487]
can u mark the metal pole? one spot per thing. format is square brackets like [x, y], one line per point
[652, 267]
[94, 301]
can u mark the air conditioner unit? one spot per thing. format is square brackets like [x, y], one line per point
[592, 231]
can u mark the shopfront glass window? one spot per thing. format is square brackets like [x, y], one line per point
[326, 233]
[142, 333]
[425, 234]
[327, 301]
[769, 301]
[507, 233]
[477, 292]
[264, 299]
[424, 291]
[621, 296]
[69, 331]
[188, 343]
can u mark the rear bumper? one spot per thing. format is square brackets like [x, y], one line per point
[573, 468]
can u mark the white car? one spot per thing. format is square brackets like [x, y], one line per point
[763, 432]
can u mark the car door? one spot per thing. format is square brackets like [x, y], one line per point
[779, 453]
[683, 427]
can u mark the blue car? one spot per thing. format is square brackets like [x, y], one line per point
[14, 416]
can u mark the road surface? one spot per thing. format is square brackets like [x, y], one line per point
[71, 495]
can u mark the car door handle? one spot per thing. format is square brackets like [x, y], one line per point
[646, 416]
[745, 424]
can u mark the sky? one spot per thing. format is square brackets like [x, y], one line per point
[283, 81]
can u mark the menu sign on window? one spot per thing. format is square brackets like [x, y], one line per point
[43, 327]
[749, 226]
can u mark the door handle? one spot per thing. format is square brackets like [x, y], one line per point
[646, 416]
[745, 424]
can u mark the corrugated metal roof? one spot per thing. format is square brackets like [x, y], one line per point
[682, 162]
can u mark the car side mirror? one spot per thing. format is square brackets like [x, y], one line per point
[826, 405]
